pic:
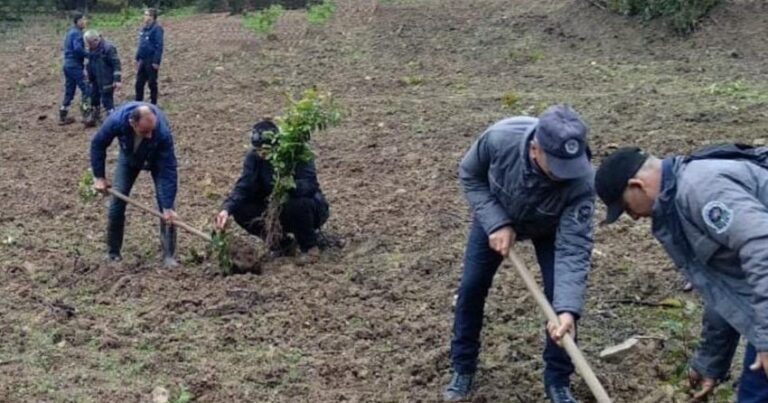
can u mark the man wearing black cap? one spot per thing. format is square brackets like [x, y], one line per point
[303, 214]
[526, 178]
[710, 212]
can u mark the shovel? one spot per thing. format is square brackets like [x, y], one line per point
[567, 342]
[176, 222]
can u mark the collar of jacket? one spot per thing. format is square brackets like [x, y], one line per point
[664, 206]
[531, 171]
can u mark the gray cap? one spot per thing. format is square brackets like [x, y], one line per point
[562, 134]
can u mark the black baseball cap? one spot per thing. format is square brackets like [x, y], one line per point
[562, 134]
[259, 132]
[612, 177]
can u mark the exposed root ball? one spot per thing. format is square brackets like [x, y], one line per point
[245, 256]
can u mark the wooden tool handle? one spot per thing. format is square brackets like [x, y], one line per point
[579, 361]
[176, 222]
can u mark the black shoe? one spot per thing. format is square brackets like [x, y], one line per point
[560, 394]
[459, 389]
[63, 119]
[114, 258]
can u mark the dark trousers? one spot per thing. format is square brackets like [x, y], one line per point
[146, 74]
[753, 386]
[301, 217]
[74, 79]
[480, 265]
[125, 177]
[103, 97]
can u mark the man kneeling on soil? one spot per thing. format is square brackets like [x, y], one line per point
[526, 178]
[146, 143]
[103, 72]
[710, 212]
[302, 215]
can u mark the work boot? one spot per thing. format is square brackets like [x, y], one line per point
[168, 241]
[560, 394]
[64, 119]
[115, 230]
[459, 389]
[96, 114]
[89, 118]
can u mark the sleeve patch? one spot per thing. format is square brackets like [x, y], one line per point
[584, 213]
[717, 215]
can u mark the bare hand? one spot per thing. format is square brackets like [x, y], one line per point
[567, 325]
[102, 185]
[502, 240]
[221, 219]
[761, 362]
[117, 86]
[704, 385]
[155, 66]
[169, 216]
[138, 66]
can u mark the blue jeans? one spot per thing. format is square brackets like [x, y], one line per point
[480, 265]
[74, 79]
[125, 177]
[753, 386]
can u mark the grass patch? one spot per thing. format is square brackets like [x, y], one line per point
[127, 17]
[263, 22]
[181, 12]
[738, 90]
[321, 13]
[680, 15]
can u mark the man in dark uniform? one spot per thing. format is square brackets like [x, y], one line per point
[104, 73]
[526, 178]
[149, 55]
[710, 212]
[74, 59]
[305, 211]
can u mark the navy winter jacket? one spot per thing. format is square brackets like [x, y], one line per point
[257, 181]
[104, 65]
[150, 48]
[155, 155]
[74, 48]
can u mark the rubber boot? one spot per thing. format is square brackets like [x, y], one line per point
[168, 241]
[96, 114]
[115, 232]
[89, 118]
[64, 119]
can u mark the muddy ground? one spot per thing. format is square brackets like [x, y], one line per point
[372, 321]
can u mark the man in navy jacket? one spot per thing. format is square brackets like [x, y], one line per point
[146, 143]
[104, 73]
[149, 55]
[74, 58]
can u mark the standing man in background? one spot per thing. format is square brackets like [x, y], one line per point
[74, 59]
[149, 54]
[103, 73]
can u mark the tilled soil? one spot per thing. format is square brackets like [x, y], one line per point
[372, 320]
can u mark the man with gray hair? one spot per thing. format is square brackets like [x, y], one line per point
[526, 178]
[104, 73]
[146, 143]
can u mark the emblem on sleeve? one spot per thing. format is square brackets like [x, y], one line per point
[717, 215]
[584, 213]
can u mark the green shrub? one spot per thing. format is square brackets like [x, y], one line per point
[263, 22]
[682, 15]
[320, 13]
